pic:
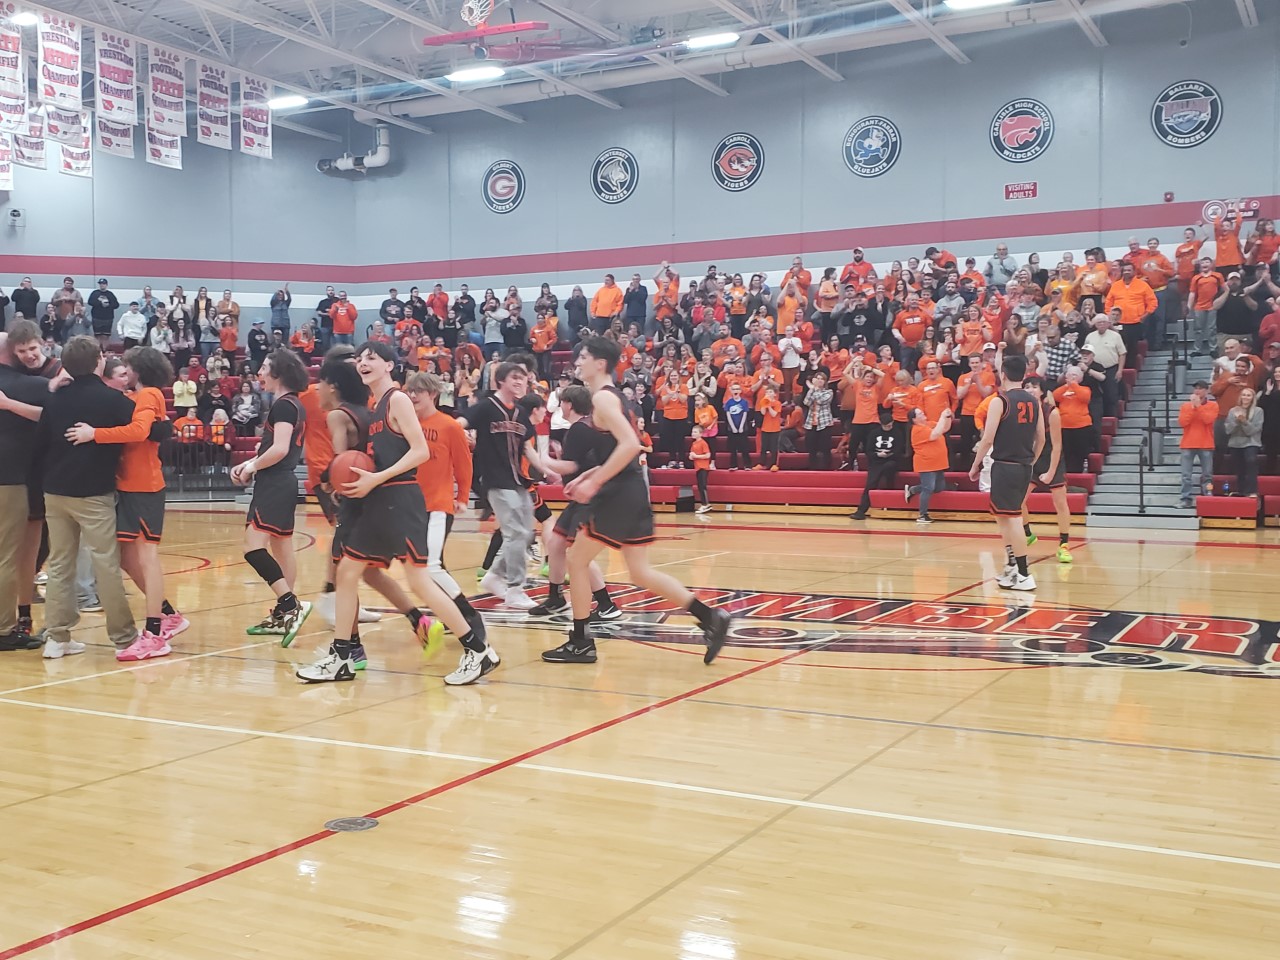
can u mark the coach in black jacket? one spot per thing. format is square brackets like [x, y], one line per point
[80, 499]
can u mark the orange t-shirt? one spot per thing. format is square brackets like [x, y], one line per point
[1264, 248]
[705, 416]
[930, 453]
[936, 396]
[187, 429]
[700, 454]
[980, 415]
[317, 442]
[543, 337]
[139, 468]
[912, 325]
[1073, 405]
[1155, 269]
[607, 302]
[1228, 239]
[1185, 256]
[228, 337]
[449, 466]
[672, 294]
[901, 400]
[972, 334]
[771, 415]
[969, 405]
[1206, 287]
[676, 406]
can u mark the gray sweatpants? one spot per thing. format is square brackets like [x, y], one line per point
[514, 512]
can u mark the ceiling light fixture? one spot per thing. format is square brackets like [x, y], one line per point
[475, 74]
[709, 40]
[962, 5]
[288, 101]
[24, 19]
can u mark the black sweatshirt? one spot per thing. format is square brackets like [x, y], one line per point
[88, 470]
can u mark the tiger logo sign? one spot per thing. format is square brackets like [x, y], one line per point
[737, 162]
[1021, 130]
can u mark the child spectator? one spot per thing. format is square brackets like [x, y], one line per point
[737, 415]
[184, 393]
[770, 410]
[700, 454]
[543, 339]
[817, 422]
[221, 438]
[228, 337]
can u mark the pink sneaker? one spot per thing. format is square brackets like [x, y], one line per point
[173, 624]
[146, 647]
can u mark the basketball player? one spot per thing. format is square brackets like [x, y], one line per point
[1050, 470]
[391, 524]
[620, 515]
[140, 497]
[577, 455]
[268, 535]
[1014, 436]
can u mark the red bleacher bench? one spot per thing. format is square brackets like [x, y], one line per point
[969, 502]
[1227, 511]
[554, 493]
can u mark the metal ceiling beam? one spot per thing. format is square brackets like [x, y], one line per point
[1248, 13]
[667, 63]
[408, 16]
[1090, 28]
[308, 131]
[318, 20]
[735, 11]
[926, 26]
[213, 34]
[259, 21]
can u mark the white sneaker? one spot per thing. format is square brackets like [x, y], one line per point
[42, 578]
[331, 668]
[56, 650]
[326, 606]
[494, 584]
[1007, 578]
[1024, 583]
[470, 669]
[517, 599]
[368, 616]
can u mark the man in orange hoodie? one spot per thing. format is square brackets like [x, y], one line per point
[1136, 302]
[1197, 418]
[606, 304]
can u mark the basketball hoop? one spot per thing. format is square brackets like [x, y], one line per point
[476, 12]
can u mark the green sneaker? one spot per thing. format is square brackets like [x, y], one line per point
[431, 635]
[1064, 555]
[1031, 538]
[269, 626]
[480, 573]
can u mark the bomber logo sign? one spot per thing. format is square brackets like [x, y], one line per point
[1186, 113]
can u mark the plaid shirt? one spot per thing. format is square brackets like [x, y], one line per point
[1059, 357]
[819, 415]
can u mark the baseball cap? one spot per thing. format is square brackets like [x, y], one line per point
[988, 346]
[1201, 385]
[1233, 273]
[258, 322]
[858, 250]
[1273, 344]
[1086, 349]
[103, 280]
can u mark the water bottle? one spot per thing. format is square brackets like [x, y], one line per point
[1208, 488]
[1226, 488]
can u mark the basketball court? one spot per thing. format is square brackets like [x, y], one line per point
[890, 760]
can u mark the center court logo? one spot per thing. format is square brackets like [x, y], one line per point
[1186, 113]
[737, 162]
[615, 175]
[1021, 130]
[872, 146]
[503, 186]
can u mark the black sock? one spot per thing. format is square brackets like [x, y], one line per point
[153, 626]
[1026, 528]
[287, 603]
[1063, 538]
[328, 587]
[355, 637]
[166, 609]
[1008, 556]
[344, 648]
[472, 642]
[464, 607]
[602, 598]
[495, 544]
[579, 634]
[555, 591]
[700, 611]
[1022, 565]
[413, 616]
[24, 611]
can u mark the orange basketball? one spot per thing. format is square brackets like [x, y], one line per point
[340, 472]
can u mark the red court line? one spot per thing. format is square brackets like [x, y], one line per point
[241, 866]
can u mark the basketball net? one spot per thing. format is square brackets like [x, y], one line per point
[476, 12]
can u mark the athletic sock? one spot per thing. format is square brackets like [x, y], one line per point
[153, 626]
[555, 591]
[579, 634]
[24, 611]
[328, 587]
[1022, 566]
[491, 555]
[166, 609]
[413, 616]
[464, 606]
[355, 637]
[287, 603]
[345, 648]
[1063, 538]
[472, 642]
[1026, 528]
[1008, 556]
[602, 598]
[700, 611]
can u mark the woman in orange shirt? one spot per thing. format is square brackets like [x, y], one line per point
[825, 301]
[1263, 245]
[973, 332]
[1094, 280]
[1226, 232]
[929, 442]
[1072, 399]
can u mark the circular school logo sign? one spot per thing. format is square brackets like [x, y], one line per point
[615, 175]
[1186, 113]
[871, 146]
[737, 162]
[1021, 130]
[503, 186]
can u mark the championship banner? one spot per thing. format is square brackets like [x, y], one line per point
[255, 116]
[77, 159]
[166, 91]
[164, 150]
[213, 105]
[13, 109]
[59, 59]
[66, 126]
[28, 147]
[115, 82]
[115, 138]
[6, 163]
[13, 78]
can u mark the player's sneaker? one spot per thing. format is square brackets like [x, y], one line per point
[1064, 555]
[906, 492]
[368, 616]
[172, 624]
[25, 628]
[19, 641]
[57, 649]
[572, 651]
[1007, 578]
[472, 667]
[1024, 583]
[42, 578]
[282, 624]
[715, 633]
[481, 573]
[1031, 538]
[517, 599]
[333, 667]
[430, 634]
[490, 661]
[146, 647]
[359, 659]
[551, 605]
[609, 612]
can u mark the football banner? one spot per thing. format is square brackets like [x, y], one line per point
[59, 59]
[28, 146]
[66, 126]
[115, 81]
[115, 138]
[166, 91]
[213, 105]
[13, 78]
[255, 116]
[77, 159]
[6, 162]
[164, 150]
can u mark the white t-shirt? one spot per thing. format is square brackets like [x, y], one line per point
[791, 349]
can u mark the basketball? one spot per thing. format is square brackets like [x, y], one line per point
[340, 470]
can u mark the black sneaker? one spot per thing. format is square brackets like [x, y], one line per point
[18, 641]
[857, 515]
[572, 651]
[550, 606]
[611, 612]
[715, 633]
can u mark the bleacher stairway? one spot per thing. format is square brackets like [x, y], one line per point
[1116, 501]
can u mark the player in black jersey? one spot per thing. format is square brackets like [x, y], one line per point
[268, 536]
[1050, 471]
[391, 524]
[1014, 436]
[621, 515]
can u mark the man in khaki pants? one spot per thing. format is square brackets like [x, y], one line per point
[80, 499]
[23, 396]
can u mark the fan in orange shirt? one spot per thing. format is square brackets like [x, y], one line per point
[542, 340]
[803, 278]
[902, 397]
[770, 410]
[858, 270]
[1226, 232]
[1263, 243]
[929, 443]
[666, 295]
[937, 393]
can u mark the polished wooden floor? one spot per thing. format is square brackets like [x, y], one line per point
[830, 789]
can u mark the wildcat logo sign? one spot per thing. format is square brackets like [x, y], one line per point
[615, 175]
[1186, 114]
[737, 162]
[1021, 130]
[999, 633]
